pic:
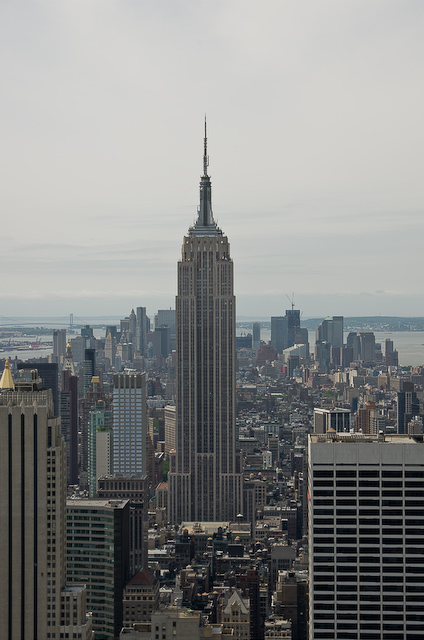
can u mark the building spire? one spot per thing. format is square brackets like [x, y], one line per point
[205, 153]
[205, 224]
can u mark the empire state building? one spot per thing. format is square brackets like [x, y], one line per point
[205, 479]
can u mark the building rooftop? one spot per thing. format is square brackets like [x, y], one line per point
[359, 438]
[73, 588]
[336, 410]
[203, 528]
[96, 503]
[144, 577]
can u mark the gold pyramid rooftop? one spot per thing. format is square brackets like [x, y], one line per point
[6, 381]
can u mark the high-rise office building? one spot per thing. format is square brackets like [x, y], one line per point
[69, 414]
[132, 324]
[391, 356]
[135, 489]
[170, 421]
[98, 555]
[141, 330]
[338, 328]
[285, 330]
[33, 517]
[164, 340]
[78, 348]
[363, 346]
[293, 326]
[59, 344]
[408, 406]
[87, 332]
[205, 479]
[256, 335]
[353, 342]
[366, 537]
[279, 333]
[367, 339]
[89, 368]
[322, 355]
[331, 330]
[69, 422]
[110, 348]
[129, 423]
[165, 318]
[99, 436]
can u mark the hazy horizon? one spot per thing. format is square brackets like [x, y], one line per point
[106, 319]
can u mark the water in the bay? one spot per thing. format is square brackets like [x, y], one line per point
[409, 344]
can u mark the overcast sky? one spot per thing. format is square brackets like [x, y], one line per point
[315, 126]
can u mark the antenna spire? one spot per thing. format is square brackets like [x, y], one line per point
[205, 225]
[205, 153]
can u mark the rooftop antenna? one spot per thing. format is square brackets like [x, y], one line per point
[205, 153]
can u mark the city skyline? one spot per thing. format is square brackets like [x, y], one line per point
[314, 118]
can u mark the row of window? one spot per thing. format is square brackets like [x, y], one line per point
[370, 473]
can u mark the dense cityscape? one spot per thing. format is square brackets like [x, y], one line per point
[171, 479]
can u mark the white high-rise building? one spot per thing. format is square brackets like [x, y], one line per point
[205, 479]
[129, 423]
[366, 537]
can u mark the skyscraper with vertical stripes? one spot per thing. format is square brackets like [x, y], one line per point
[205, 480]
[129, 423]
[33, 517]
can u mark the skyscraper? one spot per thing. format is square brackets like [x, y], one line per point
[101, 561]
[366, 536]
[99, 436]
[279, 333]
[285, 330]
[141, 330]
[293, 325]
[256, 335]
[33, 517]
[408, 405]
[89, 369]
[69, 419]
[129, 423]
[205, 480]
[59, 344]
[331, 330]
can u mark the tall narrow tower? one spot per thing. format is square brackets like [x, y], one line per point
[205, 479]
